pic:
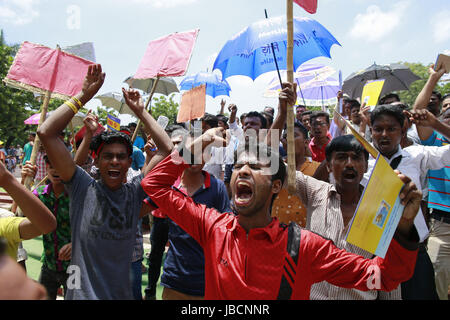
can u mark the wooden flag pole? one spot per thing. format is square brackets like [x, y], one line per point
[37, 141]
[138, 125]
[290, 113]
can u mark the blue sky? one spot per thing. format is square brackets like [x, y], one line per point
[369, 31]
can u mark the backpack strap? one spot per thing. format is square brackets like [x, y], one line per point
[290, 262]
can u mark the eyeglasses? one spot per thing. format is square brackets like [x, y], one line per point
[318, 124]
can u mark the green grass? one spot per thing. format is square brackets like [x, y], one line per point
[34, 251]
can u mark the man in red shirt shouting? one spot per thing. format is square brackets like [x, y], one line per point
[250, 255]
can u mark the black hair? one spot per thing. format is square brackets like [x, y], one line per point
[388, 109]
[132, 125]
[317, 114]
[268, 117]
[354, 104]
[271, 108]
[257, 114]
[263, 150]
[447, 95]
[344, 144]
[389, 96]
[221, 117]
[211, 120]
[111, 137]
[298, 124]
[307, 112]
[437, 94]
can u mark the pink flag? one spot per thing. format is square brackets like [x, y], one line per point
[309, 5]
[168, 56]
[38, 69]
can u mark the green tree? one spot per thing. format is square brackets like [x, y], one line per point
[15, 105]
[102, 113]
[409, 96]
[164, 106]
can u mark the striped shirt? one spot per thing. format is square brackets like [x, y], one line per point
[325, 218]
[438, 180]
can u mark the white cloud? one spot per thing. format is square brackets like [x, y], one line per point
[441, 26]
[166, 3]
[18, 12]
[375, 24]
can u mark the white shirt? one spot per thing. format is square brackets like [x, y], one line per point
[415, 163]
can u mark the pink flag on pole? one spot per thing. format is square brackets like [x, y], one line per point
[309, 5]
[39, 69]
[168, 56]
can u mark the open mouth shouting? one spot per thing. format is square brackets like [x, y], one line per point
[349, 175]
[244, 193]
[114, 173]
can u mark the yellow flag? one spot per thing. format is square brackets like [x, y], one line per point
[371, 92]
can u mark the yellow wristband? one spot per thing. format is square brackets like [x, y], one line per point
[77, 101]
[72, 106]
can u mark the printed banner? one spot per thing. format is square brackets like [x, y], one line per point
[113, 123]
[378, 212]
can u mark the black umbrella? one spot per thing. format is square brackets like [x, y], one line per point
[397, 77]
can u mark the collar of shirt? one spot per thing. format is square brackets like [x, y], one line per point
[206, 183]
[271, 230]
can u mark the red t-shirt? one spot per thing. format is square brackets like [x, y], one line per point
[250, 266]
[318, 153]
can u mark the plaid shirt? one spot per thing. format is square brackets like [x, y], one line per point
[41, 170]
[61, 236]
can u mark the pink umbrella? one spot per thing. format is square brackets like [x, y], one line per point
[77, 120]
[34, 119]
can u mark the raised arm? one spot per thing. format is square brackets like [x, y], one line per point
[91, 125]
[423, 99]
[337, 120]
[57, 152]
[40, 220]
[192, 217]
[427, 122]
[286, 98]
[159, 136]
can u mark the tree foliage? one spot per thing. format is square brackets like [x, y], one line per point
[409, 96]
[163, 106]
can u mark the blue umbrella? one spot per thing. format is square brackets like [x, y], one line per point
[249, 53]
[214, 85]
